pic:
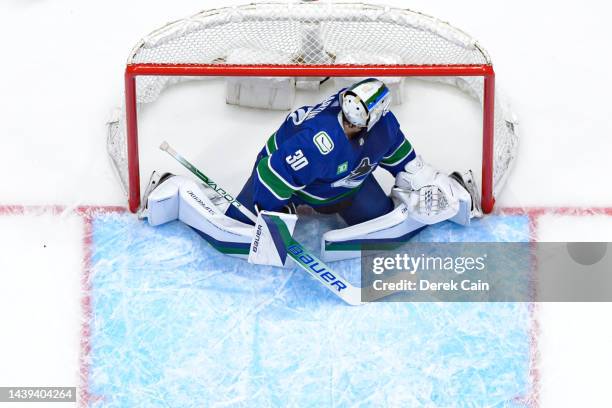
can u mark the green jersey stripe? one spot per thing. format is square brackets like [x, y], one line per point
[398, 155]
[396, 149]
[288, 184]
[271, 145]
[277, 186]
[399, 160]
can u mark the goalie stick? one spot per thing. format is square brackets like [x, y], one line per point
[222, 193]
[305, 260]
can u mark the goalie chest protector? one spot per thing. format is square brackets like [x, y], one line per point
[311, 153]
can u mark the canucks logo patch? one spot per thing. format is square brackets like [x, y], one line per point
[323, 142]
[357, 175]
[342, 168]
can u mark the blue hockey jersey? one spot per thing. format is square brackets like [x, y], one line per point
[309, 159]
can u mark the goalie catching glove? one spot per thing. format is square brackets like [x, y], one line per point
[433, 197]
[423, 196]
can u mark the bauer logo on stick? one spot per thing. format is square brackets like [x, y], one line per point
[313, 264]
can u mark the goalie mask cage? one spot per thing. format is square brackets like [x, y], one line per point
[312, 39]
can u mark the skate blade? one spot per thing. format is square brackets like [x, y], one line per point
[142, 213]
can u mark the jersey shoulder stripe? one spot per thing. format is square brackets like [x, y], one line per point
[271, 144]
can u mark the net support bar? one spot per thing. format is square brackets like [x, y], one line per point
[134, 70]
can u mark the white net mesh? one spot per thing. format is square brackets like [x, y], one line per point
[310, 33]
[506, 127]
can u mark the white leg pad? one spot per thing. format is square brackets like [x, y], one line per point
[199, 212]
[186, 200]
[463, 216]
[345, 243]
[163, 203]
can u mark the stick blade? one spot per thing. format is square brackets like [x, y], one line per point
[164, 146]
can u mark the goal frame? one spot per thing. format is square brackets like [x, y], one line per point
[134, 70]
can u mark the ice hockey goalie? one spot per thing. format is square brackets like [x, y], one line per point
[323, 156]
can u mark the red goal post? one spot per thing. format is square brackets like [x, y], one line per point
[312, 39]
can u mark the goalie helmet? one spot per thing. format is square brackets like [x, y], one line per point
[364, 103]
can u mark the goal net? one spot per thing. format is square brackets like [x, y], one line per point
[312, 40]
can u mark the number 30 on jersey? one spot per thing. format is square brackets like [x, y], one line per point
[297, 160]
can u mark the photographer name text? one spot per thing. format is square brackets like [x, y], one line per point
[426, 285]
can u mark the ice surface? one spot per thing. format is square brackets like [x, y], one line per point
[178, 324]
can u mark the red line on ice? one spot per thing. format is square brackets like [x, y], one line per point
[86, 213]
